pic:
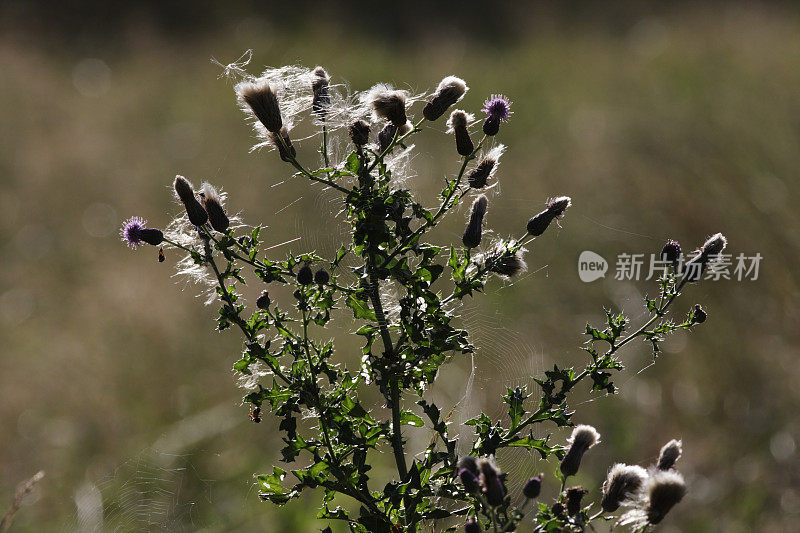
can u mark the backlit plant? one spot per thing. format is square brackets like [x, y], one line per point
[404, 299]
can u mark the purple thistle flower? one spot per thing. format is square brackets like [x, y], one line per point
[134, 233]
[131, 231]
[498, 108]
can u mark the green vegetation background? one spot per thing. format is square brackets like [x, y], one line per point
[670, 124]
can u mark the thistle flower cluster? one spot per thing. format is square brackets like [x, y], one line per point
[404, 297]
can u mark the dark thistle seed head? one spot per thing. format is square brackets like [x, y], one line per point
[472, 526]
[262, 101]
[359, 132]
[671, 252]
[574, 497]
[321, 100]
[322, 277]
[197, 215]
[469, 480]
[450, 91]
[533, 487]
[470, 463]
[474, 230]
[583, 437]
[389, 104]
[495, 491]
[714, 245]
[285, 148]
[554, 209]
[305, 276]
[457, 123]
[388, 132]
[480, 174]
[539, 223]
[664, 490]
[558, 509]
[558, 205]
[504, 262]
[669, 455]
[213, 206]
[263, 301]
[699, 314]
[623, 483]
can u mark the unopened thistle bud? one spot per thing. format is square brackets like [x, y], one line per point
[498, 109]
[359, 132]
[263, 301]
[213, 206]
[263, 102]
[469, 480]
[699, 314]
[583, 437]
[472, 527]
[152, 236]
[474, 230]
[533, 487]
[389, 104]
[555, 209]
[196, 213]
[574, 497]
[558, 509]
[671, 252]
[664, 490]
[457, 123]
[321, 100]
[622, 484]
[285, 148]
[450, 91]
[495, 491]
[305, 276]
[669, 455]
[322, 277]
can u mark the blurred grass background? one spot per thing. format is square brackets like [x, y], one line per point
[674, 121]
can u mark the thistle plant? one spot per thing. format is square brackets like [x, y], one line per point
[405, 300]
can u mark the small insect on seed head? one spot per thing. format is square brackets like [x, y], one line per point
[450, 91]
